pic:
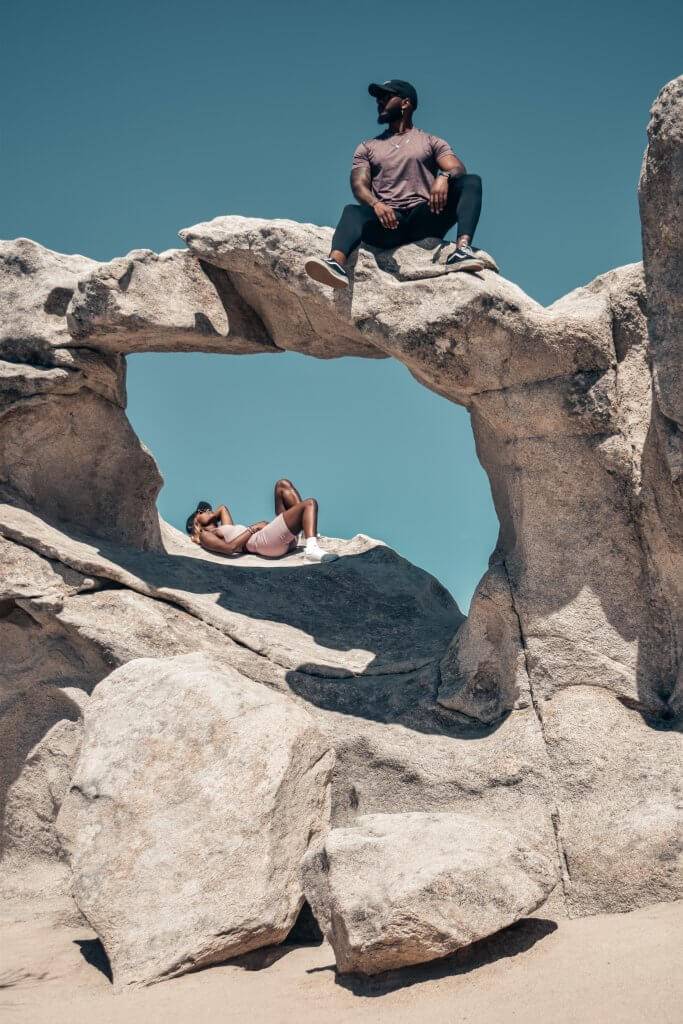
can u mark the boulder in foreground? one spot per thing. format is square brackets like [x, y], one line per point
[194, 799]
[400, 889]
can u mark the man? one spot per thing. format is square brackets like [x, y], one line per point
[409, 185]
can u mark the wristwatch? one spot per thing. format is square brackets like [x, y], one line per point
[443, 174]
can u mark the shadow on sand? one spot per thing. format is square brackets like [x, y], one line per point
[518, 938]
[93, 953]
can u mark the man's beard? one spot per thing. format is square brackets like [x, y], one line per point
[388, 117]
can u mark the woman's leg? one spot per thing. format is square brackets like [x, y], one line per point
[302, 516]
[285, 496]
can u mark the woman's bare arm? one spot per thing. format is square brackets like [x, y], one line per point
[220, 516]
[223, 516]
[212, 541]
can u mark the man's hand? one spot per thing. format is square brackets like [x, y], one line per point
[385, 215]
[439, 194]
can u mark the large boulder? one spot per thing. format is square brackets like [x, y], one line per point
[195, 797]
[400, 889]
[617, 783]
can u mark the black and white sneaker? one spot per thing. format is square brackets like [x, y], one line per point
[327, 271]
[464, 259]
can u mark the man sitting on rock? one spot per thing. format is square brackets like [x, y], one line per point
[409, 185]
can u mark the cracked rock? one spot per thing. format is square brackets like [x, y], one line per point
[398, 889]
[195, 797]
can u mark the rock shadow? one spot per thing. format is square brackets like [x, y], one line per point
[383, 623]
[395, 619]
[391, 699]
[93, 952]
[28, 709]
[304, 932]
[355, 602]
[518, 938]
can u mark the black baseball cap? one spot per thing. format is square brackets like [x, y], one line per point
[396, 87]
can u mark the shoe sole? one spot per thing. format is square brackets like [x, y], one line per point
[467, 265]
[321, 273]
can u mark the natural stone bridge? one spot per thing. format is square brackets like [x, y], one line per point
[553, 708]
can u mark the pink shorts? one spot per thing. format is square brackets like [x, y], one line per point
[273, 540]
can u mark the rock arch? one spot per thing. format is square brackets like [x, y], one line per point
[558, 697]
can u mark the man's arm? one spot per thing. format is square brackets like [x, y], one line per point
[361, 180]
[450, 162]
[439, 191]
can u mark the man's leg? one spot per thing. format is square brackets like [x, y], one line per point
[463, 207]
[360, 224]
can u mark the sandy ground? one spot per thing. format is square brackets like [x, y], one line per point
[612, 969]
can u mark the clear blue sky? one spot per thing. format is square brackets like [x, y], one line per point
[122, 123]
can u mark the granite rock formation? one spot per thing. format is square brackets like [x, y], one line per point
[397, 889]
[554, 710]
[66, 447]
[185, 830]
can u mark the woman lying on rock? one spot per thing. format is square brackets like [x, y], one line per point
[215, 530]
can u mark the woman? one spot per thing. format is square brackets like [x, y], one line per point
[215, 530]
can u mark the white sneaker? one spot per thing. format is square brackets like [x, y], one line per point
[314, 553]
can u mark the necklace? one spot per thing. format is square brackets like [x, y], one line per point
[397, 145]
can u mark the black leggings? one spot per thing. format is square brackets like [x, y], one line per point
[360, 223]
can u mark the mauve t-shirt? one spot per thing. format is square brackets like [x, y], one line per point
[402, 167]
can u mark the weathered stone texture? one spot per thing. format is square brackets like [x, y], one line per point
[553, 711]
[661, 214]
[194, 799]
[398, 889]
[171, 302]
[66, 447]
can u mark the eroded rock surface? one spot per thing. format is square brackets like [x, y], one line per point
[67, 449]
[554, 710]
[194, 799]
[484, 671]
[661, 212]
[171, 302]
[399, 889]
